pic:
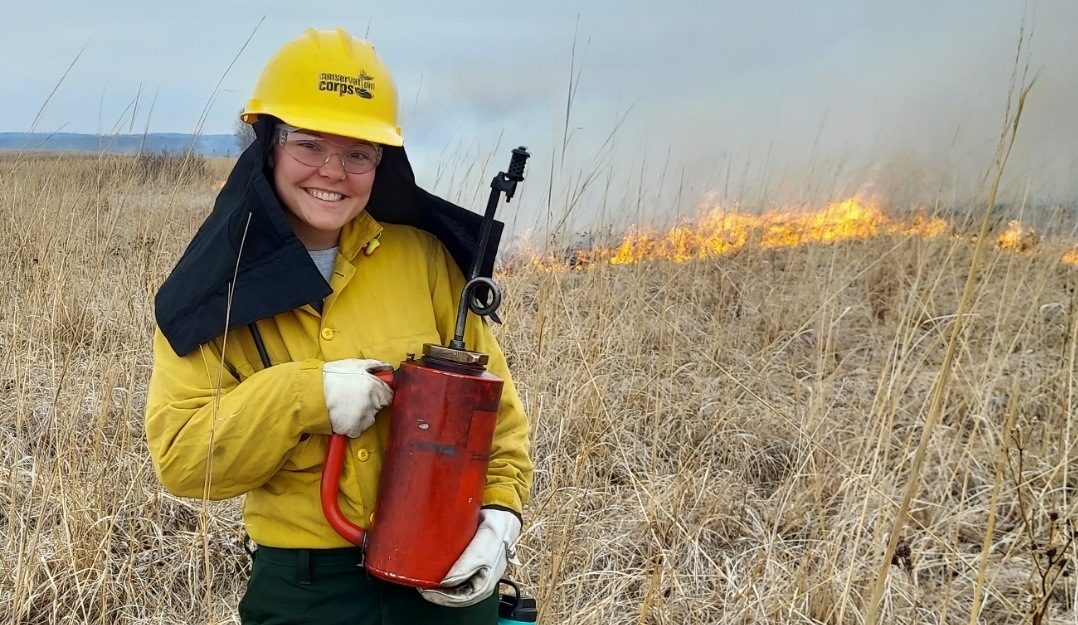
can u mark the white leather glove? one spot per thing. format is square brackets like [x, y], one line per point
[353, 395]
[476, 572]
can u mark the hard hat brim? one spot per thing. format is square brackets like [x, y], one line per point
[352, 126]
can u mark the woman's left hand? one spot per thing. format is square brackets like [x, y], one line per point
[476, 572]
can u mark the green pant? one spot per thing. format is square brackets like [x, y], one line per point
[330, 587]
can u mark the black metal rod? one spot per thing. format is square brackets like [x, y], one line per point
[502, 182]
[484, 232]
[506, 182]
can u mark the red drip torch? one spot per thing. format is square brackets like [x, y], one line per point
[444, 410]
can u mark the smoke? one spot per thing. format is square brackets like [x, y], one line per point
[759, 107]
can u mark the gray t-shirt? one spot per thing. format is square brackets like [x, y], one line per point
[323, 259]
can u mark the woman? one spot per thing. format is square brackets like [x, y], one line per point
[324, 261]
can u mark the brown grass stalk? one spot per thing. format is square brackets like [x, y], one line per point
[939, 390]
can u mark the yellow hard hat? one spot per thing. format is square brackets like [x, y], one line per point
[329, 81]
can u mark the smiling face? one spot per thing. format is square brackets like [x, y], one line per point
[320, 199]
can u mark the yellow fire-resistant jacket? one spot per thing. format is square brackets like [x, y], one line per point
[219, 428]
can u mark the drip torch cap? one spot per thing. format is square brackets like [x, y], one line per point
[457, 356]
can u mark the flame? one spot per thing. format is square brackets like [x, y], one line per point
[1017, 238]
[719, 232]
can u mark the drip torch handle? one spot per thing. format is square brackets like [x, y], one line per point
[386, 375]
[331, 481]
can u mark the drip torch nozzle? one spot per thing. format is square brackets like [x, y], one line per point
[507, 182]
[516, 164]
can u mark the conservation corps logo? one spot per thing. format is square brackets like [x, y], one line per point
[362, 85]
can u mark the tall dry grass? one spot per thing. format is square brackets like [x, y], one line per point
[721, 441]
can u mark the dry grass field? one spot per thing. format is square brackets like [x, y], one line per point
[725, 440]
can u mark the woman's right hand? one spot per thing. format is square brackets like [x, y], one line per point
[353, 394]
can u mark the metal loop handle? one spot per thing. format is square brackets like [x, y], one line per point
[477, 306]
[474, 304]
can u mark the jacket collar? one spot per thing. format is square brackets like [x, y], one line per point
[357, 235]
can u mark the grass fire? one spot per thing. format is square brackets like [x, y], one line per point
[719, 232]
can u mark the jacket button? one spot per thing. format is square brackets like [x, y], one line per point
[363, 455]
[327, 334]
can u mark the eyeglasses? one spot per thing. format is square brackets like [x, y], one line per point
[315, 151]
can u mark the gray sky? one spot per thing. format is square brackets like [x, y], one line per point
[780, 100]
